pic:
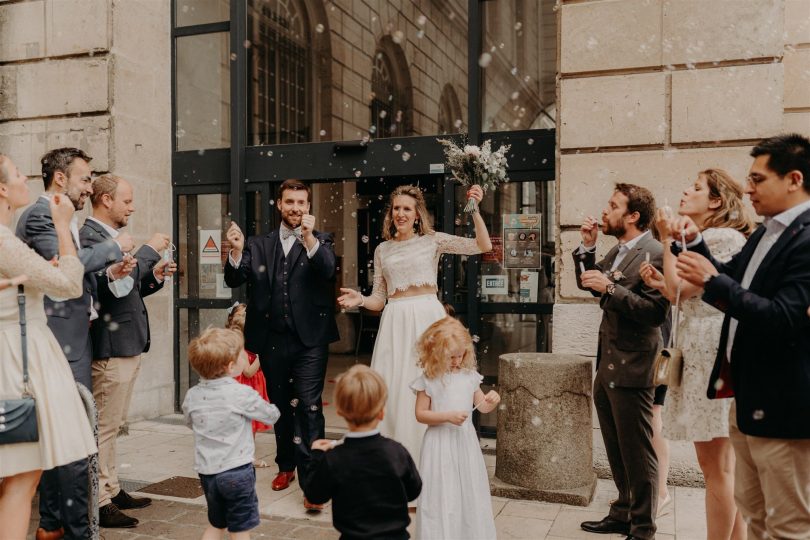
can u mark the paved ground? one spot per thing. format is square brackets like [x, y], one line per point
[157, 450]
[160, 449]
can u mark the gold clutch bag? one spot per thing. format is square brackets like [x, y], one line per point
[668, 367]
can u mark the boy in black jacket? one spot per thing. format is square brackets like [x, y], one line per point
[369, 478]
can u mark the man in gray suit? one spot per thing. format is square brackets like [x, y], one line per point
[64, 490]
[119, 336]
[629, 339]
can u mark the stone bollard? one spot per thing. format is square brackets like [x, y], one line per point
[545, 432]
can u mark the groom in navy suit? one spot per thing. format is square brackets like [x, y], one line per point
[290, 321]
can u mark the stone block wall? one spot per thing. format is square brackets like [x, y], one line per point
[653, 91]
[96, 75]
[797, 66]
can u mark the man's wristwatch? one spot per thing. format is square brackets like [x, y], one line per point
[610, 288]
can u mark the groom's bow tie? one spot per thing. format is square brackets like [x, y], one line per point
[286, 233]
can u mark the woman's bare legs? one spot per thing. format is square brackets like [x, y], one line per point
[16, 493]
[212, 533]
[716, 459]
[661, 446]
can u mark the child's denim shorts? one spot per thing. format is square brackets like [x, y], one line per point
[231, 498]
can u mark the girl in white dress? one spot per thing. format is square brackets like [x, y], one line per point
[405, 268]
[714, 202]
[65, 435]
[455, 501]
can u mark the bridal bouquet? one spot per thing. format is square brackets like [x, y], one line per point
[474, 166]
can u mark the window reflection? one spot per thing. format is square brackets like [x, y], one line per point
[202, 222]
[203, 93]
[520, 44]
[192, 322]
[192, 12]
[319, 71]
[280, 86]
[450, 115]
[526, 278]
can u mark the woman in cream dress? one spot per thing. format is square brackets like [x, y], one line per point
[64, 429]
[714, 202]
[405, 269]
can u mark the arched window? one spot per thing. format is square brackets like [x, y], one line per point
[280, 73]
[392, 92]
[450, 120]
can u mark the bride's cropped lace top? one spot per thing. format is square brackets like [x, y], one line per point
[414, 262]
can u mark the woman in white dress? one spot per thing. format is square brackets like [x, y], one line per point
[405, 269]
[715, 204]
[455, 501]
[64, 429]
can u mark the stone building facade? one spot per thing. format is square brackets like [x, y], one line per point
[653, 91]
[646, 91]
[96, 75]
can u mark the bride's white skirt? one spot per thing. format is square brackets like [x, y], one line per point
[403, 322]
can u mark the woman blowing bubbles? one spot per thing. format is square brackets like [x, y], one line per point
[405, 268]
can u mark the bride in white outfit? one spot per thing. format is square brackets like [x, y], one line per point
[405, 268]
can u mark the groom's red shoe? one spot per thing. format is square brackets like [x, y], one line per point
[312, 507]
[42, 534]
[282, 480]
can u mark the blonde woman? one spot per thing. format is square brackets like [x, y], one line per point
[64, 430]
[714, 202]
[405, 269]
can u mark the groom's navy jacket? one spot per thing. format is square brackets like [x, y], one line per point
[311, 286]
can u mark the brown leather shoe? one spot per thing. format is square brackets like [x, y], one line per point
[42, 534]
[282, 480]
[312, 507]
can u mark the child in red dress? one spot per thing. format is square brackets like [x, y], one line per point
[252, 375]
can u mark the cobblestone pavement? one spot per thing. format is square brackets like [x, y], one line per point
[172, 520]
[159, 450]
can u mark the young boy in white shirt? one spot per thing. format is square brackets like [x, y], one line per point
[219, 411]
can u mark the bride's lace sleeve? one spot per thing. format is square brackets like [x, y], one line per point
[456, 245]
[723, 242]
[16, 258]
[379, 289]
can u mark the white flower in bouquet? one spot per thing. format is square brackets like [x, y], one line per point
[471, 150]
[476, 166]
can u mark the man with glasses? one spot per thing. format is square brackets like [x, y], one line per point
[764, 355]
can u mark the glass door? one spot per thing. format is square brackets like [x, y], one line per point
[509, 292]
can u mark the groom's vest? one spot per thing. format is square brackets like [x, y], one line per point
[281, 317]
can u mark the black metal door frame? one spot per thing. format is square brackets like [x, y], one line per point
[242, 168]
